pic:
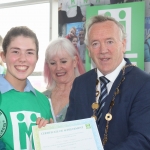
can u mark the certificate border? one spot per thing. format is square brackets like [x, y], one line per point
[60, 125]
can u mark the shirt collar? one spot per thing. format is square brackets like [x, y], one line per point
[5, 86]
[113, 75]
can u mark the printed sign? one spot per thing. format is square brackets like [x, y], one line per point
[132, 16]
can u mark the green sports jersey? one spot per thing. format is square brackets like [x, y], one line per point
[19, 111]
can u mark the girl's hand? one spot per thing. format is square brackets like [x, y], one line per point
[41, 122]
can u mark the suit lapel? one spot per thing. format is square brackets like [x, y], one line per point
[108, 100]
[111, 93]
[91, 88]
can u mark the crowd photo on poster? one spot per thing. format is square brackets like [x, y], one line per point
[72, 18]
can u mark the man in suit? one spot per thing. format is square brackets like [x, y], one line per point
[125, 117]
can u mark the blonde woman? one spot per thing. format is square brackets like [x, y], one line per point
[62, 65]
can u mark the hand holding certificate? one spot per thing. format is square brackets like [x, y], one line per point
[74, 135]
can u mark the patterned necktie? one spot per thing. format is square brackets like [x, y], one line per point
[104, 93]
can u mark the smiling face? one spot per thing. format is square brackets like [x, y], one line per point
[62, 68]
[106, 48]
[81, 37]
[20, 58]
[72, 32]
[74, 41]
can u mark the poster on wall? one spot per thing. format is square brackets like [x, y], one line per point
[75, 33]
[147, 37]
[73, 12]
[132, 16]
[147, 45]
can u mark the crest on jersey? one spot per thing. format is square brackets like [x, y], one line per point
[3, 123]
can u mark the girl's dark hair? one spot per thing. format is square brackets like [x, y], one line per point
[18, 31]
[71, 39]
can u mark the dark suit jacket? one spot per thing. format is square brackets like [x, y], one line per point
[129, 128]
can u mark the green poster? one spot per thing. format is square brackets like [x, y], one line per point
[132, 16]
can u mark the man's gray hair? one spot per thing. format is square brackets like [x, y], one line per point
[99, 19]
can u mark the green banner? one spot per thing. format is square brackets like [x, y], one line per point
[132, 16]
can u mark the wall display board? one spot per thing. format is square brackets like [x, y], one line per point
[132, 16]
[147, 37]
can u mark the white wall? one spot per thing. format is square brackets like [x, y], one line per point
[54, 20]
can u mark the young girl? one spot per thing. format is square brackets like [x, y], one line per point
[71, 33]
[74, 41]
[20, 103]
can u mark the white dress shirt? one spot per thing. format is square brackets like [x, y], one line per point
[111, 77]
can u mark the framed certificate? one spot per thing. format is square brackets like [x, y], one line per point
[72, 135]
